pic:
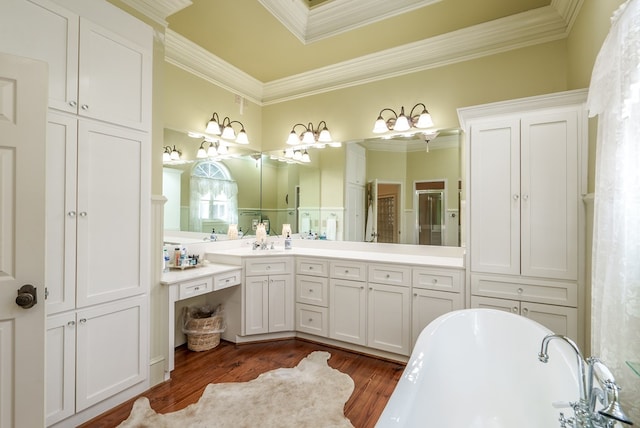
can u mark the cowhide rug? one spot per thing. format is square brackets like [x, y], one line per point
[312, 394]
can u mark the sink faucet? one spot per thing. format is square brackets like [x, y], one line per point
[585, 415]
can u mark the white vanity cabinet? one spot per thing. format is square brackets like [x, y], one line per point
[527, 172]
[348, 301]
[93, 354]
[370, 305]
[388, 308]
[268, 295]
[435, 292]
[95, 71]
[312, 296]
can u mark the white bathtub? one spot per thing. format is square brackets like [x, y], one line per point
[479, 368]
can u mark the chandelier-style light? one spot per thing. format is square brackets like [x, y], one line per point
[401, 122]
[225, 129]
[310, 135]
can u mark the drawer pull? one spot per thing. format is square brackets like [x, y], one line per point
[514, 309]
[196, 288]
[71, 323]
[310, 319]
[520, 290]
[525, 311]
[435, 280]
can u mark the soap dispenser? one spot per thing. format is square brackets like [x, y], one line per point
[213, 236]
[287, 242]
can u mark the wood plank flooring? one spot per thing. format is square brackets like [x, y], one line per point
[374, 379]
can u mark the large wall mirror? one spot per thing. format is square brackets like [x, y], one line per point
[400, 190]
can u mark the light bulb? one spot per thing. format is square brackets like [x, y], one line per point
[308, 138]
[212, 151]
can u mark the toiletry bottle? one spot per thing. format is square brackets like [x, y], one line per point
[240, 233]
[165, 260]
[183, 256]
[213, 236]
[287, 242]
[176, 256]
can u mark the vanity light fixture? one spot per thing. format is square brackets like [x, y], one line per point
[225, 129]
[401, 122]
[309, 135]
[170, 154]
[209, 149]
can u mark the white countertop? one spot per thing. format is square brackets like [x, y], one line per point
[178, 275]
[433, 258]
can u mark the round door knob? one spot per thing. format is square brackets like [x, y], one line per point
[27, 296]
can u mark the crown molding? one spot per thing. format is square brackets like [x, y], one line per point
[513, 32]
[336, 16]
[185, 54]
[158, 10]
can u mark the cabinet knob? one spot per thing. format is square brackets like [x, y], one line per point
[435, 280]
[415, 294]
[83, 214]
[83, 320]
[71, 323]
[362, 287]
[310, 319]
[268, 267]
[516, 197]
[514, 310]
[73, 103]
[388, 276]
[310, 267]
[311, 290]
[525, 311]
[371, 288]
[346, 271]
[525, 197]
[520, 290]
[84, 107]
[196, 288]
[71, 214]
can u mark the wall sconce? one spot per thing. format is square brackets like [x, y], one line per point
[310, 135]
[209, 149]
[291, 154]
[225, 129]
[402, 123]
[170, 154]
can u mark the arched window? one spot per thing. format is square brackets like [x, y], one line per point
[214, 197]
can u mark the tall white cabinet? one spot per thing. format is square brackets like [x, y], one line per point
[526, 163]
[98, 197]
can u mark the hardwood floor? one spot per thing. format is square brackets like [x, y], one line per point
[374, 379]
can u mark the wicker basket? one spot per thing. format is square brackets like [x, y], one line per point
[200, 337]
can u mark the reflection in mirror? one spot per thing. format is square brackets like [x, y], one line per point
[209, 194]
[413, 187]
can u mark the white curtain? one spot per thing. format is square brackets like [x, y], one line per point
[614, 96]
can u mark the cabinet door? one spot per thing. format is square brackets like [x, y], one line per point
[388, 318]
[43, 30]
[347, 311]
[111, 350]
[428, 305]
[61, 364]
[281, 311]
[559, 319]
[61, 153]
[512, 306]
[495, 197]
[113, 203]
[256, 304]
[549, 198]
[354, 212]
[115, 83]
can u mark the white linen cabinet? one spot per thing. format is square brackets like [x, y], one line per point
[97, 197]
[526, 169]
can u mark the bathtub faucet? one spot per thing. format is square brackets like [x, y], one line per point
[606, 393]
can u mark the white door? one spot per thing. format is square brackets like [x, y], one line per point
[371, 232]
[23, 118]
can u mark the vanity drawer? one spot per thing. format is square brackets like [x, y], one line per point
[268, 266]
[354, 271]
[195, 287]
[227, 279]
[525, 289]
[315, 267]
[312, 290]
[438, 279]
[390, 274]
[312, 319]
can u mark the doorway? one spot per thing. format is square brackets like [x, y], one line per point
[388, 221]
[430, 212]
